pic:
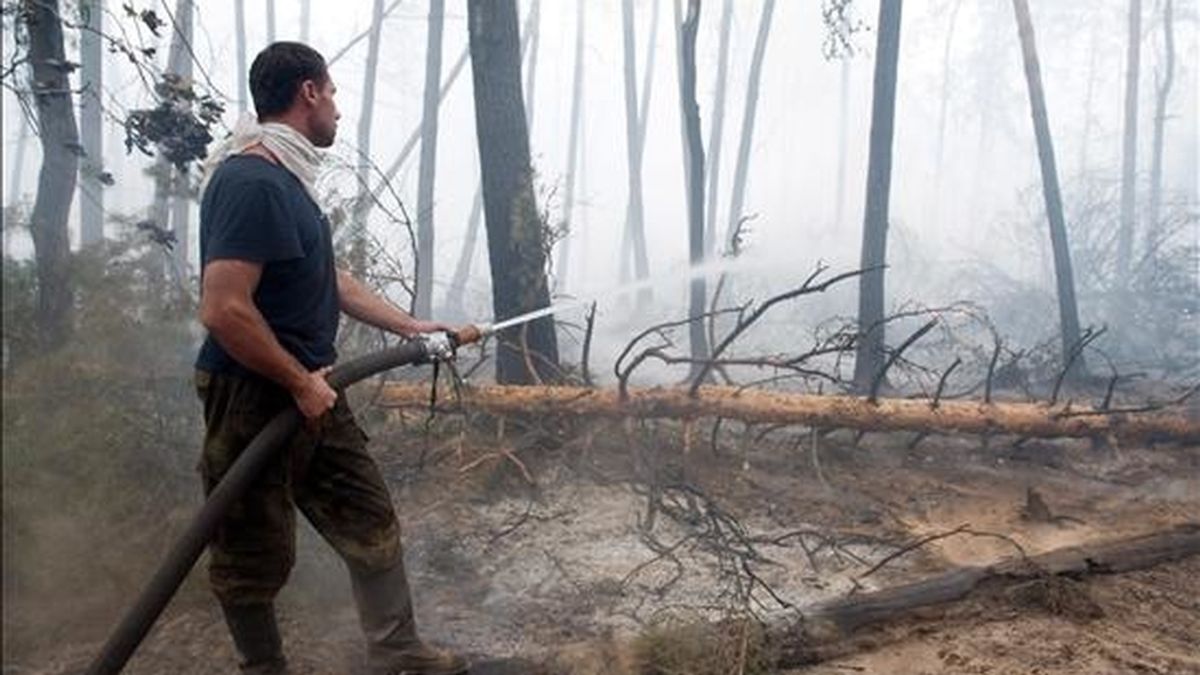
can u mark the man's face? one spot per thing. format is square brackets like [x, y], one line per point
[323, 113]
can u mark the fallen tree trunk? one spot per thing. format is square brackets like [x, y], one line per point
[833, 412]
[842, 626]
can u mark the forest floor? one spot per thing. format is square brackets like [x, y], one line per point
[534, 545]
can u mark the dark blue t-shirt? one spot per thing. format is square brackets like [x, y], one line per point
[258, 211]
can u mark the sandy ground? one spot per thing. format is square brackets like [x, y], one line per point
[504, 568]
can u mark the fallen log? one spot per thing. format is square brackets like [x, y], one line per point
[823, 411]
[842, 626]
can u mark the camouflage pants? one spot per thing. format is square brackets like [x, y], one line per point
[326, 472]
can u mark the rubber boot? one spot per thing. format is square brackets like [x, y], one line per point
[256, 636]
[385, 610]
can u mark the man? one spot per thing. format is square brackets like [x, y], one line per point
[270, 299]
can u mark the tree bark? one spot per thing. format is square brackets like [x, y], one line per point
[718, 126]
[15, 183]
[425, 182]
[462, 269]
[564, 252]
[634, 211]
[305, 19]
[742, 167]
[1033, 420]
[362, 208]
[843, 626]
[56, 180]
[1089, 96]
[843, 131]
[1129, 146]
[181, 204]
[697, 292]
[516, 243]
[1162, 93]
[91, 50]
[170, 208]
[1067, 308]
[532, 32]
[869, 354]
[943, 104]
[242, 76]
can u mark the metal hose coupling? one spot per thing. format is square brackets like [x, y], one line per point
[442, 345]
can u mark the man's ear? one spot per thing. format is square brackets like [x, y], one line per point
[309, 91]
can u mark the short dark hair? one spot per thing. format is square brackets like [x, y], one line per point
[277, 73]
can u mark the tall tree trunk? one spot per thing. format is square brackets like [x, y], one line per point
[697, 296]
[868, 361]
[1162, 92]
[414, 138]
[628, 241]
[843, 131]
[429, 125]
[742, 168]
[56, 180]
[242, 77]
[15, 182]
[181, 205]
[634, 211]
[305, 19]
[516, 244]
[462, 269]
[717, 129]
[1067, 309]
[532, 25]
[169, 182]
[358, 244]
[1089, 97]
[270, 21]
[91, 50]
[564, 251]
[1129, 146]
[940, 155]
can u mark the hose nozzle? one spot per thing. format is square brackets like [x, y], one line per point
[471, 333]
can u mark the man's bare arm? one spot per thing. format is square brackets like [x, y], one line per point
[228, 311]
[363, 304]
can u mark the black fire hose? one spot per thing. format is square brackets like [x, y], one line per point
[248, 466]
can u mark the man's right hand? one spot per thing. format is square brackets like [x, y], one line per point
[313, 395]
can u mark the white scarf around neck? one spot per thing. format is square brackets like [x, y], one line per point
[296, 153]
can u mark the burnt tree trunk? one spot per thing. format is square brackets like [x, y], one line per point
[241, 80]
[864, 620]
[839, 208]
[697, 292]
[91, 130]
[466, 257]
[362, 205]
[742, 167]
[1129, 146]
[1162, 92]
[56, 180]
[564, 252]
[305, 19]
[943, 104]
[1064, 275]
[634, 234]
[181, 203]
[425, 182]
[869, 355]
[529, 50]
[516, 242]
[718, 125]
